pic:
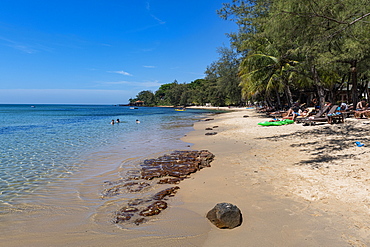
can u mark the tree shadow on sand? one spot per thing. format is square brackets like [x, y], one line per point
[327, 143]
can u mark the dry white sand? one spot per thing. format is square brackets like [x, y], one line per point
[295, 185]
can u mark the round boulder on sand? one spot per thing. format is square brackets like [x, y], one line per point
[225, 215]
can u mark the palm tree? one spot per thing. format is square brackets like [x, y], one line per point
[266, 72]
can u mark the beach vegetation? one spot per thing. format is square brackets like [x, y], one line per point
[327, 40]
[285, 51]
[147, 97]
[223, 73]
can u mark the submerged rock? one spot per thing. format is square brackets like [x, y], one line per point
[167, 192]
[225, 216]
[170, 180]
[129, 187]
[154, 208]
[139, 221]
[125, 214]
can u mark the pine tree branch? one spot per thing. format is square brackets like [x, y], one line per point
[315, 15]
[359, 19]
[327, 17]
[349, 24]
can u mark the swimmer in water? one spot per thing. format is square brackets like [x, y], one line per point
[117, 121]
[112, 122]
[137, 121]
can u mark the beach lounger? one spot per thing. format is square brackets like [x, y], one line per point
[336, 116]
[309, 110]
[317, 115]
[321, 116]
[277, 114]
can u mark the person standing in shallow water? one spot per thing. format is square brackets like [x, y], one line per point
[137, 121]
[112, 122]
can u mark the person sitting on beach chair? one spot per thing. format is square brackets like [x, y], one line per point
[343, 106]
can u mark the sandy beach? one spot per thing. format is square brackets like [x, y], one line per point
[295, 185]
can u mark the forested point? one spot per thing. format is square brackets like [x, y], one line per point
[283, 52]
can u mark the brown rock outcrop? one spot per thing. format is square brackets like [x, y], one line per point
[167, 169]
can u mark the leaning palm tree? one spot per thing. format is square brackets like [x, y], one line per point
[265, 72]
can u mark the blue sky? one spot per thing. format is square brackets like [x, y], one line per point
[104, 51]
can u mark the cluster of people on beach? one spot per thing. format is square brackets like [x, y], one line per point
[301, 111]
[296, 110]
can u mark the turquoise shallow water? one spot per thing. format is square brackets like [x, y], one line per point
[45, 143]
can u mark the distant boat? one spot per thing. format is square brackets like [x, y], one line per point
[32, 106]
[180, 109]
[132, 108]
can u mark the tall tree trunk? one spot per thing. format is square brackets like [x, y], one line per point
[330, 96]
[319, 87]
[339, 89]
[278, 99]
[269, 100]
[348, 93]
[354, 82]
[321, 94]
[289, 95]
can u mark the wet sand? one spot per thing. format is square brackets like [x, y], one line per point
[295, 186]
[72, 213]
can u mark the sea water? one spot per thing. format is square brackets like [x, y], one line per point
[45, 143]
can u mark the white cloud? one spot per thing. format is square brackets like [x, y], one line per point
[121, 72]
[148, 6]
[24, 48]
[149, 66]
[153, 16]
[18, 46]
[157, 19]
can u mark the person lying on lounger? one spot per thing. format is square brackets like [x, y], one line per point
[294, 112]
